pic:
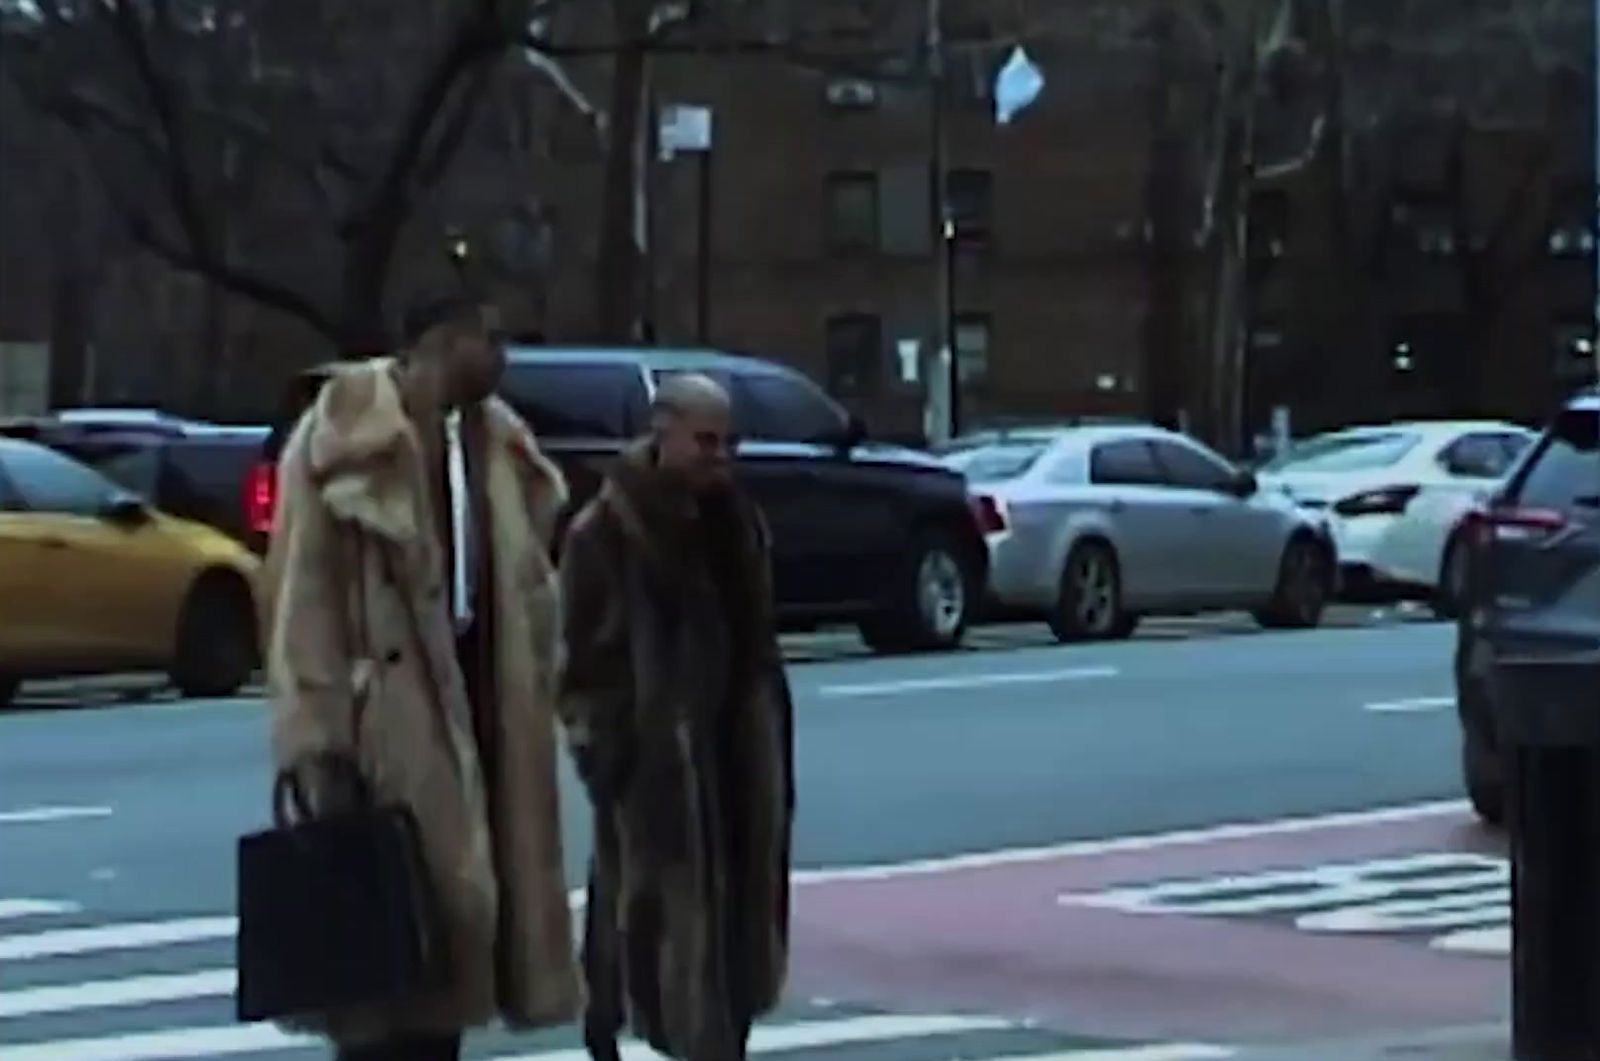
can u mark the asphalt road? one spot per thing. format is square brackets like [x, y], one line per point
[131, 811]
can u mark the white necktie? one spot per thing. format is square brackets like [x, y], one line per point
[460, 523]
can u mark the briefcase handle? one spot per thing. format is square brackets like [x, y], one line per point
[342, 786]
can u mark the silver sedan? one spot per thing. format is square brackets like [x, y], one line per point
[1094, 527]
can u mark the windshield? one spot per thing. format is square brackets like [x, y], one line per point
[995, 462]
[1345, 453]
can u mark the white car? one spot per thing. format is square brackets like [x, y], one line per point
[1396, 494]
[1091, 528]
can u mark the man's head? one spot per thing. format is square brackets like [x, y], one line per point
[456, 340]
[692, 423]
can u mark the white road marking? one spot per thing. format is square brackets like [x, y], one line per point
[1127, 844]
[220, 1041]
[260, 1038]
[12, 909]
[1415, 705]
[1154, 1052]
[45, 815]
[129, 991]
[967, 681]
[1484, 942]
[808, 1035]
[114, 937]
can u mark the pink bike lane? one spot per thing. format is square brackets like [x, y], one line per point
[1349, 925]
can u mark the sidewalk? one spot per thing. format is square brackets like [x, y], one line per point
[1476, 1043]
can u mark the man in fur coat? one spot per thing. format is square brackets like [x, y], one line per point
[678, 713]
[415, 621]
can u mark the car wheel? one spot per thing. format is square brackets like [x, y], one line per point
[1452, 587]
[1089, 599]
[932, 600]
[1484, 775]
[217, 650]
[1301, 595]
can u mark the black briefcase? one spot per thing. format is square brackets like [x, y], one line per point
[334, 912]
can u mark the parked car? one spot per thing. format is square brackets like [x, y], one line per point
[1092, 528]
[1396, 494]
[93, 579]
[864, 532]
[187, 468]
[1533, 583]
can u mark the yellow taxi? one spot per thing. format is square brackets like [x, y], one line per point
[93, 580]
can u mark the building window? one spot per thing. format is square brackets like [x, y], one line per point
[971, 334]
[1424, 223]
[855, 354]
[971, 193]
[853, 211]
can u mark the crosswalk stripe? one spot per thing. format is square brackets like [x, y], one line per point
[223, 1041]
[124, 936]
[13, 909]
[220, 1041]
[127, 991]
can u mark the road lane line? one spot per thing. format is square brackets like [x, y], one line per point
[1481, 942]
[45, 815]
[967, 681]
[808, 1035]
[1414, 705]
[124, 936]
[13, 909]
[1127, 844]
[129, 991]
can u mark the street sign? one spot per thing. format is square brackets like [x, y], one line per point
[686, 129]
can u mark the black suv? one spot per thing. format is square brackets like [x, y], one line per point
[1533, 583]
[863, 532]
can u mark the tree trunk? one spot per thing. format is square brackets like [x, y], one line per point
[619, 268]
[1163, 239]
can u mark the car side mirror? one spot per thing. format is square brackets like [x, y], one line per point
[125, 510]
[855, 433]
[1245, 484]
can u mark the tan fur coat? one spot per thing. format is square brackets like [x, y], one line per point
[354, 543]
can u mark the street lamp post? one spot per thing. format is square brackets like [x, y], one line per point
[943, 224]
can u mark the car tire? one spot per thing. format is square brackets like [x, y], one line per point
[1484, 776]
[1452, 587]
[217, 648]
[932, 600]
[1089, 597]
[1304, 585]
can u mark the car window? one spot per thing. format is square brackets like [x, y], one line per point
[1515, 446]
[561, 400]
[1350, 451]
[988, 464]
[1129, 462]
[48, 482]
[1192, 469]
[1567, 465]
[1479, 456]
[778, 408]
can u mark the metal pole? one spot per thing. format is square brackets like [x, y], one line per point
[943, 223]
[703, 253]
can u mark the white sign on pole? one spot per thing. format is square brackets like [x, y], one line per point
[686, 129]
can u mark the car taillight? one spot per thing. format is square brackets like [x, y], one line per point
[1511, 524]
[990, 512]
[1385, 501]
[261, 497]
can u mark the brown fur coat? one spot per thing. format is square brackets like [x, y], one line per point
[677, 706]
[354, 542]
